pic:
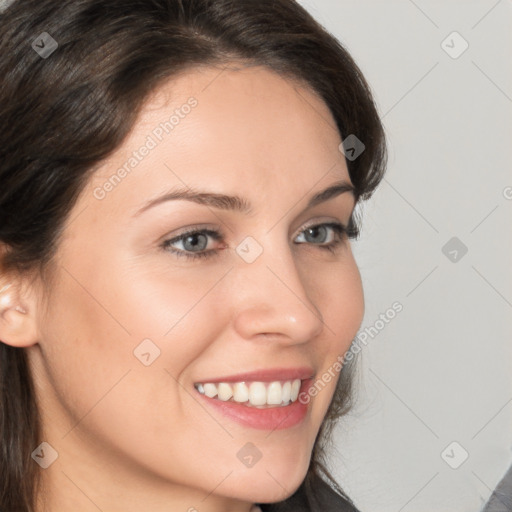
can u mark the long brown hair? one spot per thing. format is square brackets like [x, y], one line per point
[60, 116]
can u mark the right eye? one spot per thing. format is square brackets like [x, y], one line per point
[193, 243]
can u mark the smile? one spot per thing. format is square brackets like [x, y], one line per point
[253, 394]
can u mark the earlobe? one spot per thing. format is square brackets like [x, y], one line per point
[17, 319]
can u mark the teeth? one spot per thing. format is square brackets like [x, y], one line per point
[274, 393]
[210, 390]
[240, 392]
[224, 391]
[286, 391]
[294, 393]
[254, 393]
[257, 393]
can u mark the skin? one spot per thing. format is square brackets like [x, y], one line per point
[132, 437]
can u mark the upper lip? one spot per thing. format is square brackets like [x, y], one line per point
[266, 375]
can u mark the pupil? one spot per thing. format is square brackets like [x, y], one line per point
[194, 244]
[315, 230]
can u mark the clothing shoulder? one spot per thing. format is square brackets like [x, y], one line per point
[501, 498]
[315, 496]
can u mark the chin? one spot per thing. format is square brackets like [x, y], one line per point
[272, 484]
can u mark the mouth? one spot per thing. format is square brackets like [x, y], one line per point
[268, 399]
[258, 394]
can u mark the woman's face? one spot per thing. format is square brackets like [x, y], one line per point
[135, 316]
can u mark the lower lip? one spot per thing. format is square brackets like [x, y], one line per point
[271, 418]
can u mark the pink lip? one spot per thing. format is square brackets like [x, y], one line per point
[272, 418]
[266, 375]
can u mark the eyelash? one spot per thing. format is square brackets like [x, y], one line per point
[351, 231]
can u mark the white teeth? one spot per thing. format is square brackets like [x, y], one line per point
[240, 392]
[224, 391]
[286, 391]
[210, 390]
[294, 393]
[257, 393]
[274, 393]
[277, 393]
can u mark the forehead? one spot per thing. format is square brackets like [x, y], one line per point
[249, 103]
[235, 127]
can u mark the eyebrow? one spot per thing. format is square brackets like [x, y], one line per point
[237, 203]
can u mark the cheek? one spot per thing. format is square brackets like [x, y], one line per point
[340, 300]
[173, 306]
[348, 310]
[341, 303]
[85, 347]
[99, 383]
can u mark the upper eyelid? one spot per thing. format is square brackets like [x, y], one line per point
[213, 232]
[332, 190]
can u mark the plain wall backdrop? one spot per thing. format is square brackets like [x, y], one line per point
[432, 429]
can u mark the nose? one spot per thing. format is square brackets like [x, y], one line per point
[272, 301]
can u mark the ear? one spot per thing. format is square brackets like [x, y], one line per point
[18, 326]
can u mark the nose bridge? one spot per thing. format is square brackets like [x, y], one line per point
[272, 298]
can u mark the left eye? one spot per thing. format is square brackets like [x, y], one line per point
[318, 234]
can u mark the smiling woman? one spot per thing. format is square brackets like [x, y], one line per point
[176, 282]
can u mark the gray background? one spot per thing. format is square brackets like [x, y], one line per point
[441, 370]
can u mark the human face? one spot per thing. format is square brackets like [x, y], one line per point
[133, 432]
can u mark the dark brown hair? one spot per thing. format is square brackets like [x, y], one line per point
[61, 116]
